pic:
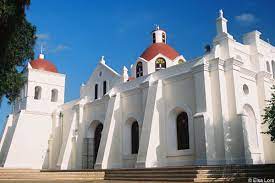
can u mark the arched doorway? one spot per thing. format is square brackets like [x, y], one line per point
[91, 144]
[251, 142]
[97, 139]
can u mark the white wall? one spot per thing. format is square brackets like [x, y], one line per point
[101, 73]
[29, 144]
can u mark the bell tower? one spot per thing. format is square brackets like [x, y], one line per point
[44, 89]
[30, 124]
[158, 35]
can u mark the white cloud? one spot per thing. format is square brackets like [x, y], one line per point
[43, 36]
[60, 47]
[246, 18]
[46, 42]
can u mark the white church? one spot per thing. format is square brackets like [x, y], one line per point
[165, 111]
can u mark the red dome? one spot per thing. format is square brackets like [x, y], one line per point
[157, 48]
[42, 64]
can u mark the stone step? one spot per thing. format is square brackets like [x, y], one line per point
[48, 176]
[183, 179]
[56, 173]
[18, 170]
[189, 171]
[227, 173]
[192, 174]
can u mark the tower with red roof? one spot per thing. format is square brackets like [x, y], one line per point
[158, 56]
[30, 123]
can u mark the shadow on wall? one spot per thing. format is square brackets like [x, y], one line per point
[247, 153]
[161, 159]
[115, 148]
[61, 136]
[237, 142]
[209, 147]
[45, 164]
[241, 139]
[7, 140]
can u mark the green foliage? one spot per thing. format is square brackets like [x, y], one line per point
[17, 39]
[269, 116]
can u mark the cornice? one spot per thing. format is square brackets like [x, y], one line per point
[248, 72]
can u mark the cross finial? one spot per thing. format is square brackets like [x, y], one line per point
[41, 55]
[221, 13]
[102, 60]
[157, 27]
[41, 48]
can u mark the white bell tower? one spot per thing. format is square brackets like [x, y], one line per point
[30, 124]
[44, 88]
[159, 36]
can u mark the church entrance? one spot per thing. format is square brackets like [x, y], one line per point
[91, 145]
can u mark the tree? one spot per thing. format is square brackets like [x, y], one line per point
[269, 116]
[17, 39]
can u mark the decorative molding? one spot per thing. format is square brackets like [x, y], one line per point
[176, 78]
[35, 112]
[248, 72]
[133, 91]
[265, 75]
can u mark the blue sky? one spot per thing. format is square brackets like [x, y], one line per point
[76, 34]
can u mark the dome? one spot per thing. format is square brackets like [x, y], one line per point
[157, 48]
[42, 64]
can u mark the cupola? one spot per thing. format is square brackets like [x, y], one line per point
[159, 46]
[42, 64]
[158, 35]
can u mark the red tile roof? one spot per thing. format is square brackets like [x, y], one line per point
[42, 64]
[157, 48]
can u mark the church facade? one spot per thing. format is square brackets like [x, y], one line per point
[166, 112]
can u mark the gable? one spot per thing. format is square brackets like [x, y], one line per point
[102, 72]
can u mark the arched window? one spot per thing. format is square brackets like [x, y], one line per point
[160, 64]
[135, 137]
[163, 37]
[139, 70]
[96, 91]
[180, 61]
[182, 131]
[273, 68]
[104, 87]
[154, 37]
[37, 92]
[267, 66]
[54, 96]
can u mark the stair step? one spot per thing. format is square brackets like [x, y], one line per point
[227, 173]
[188, 171]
